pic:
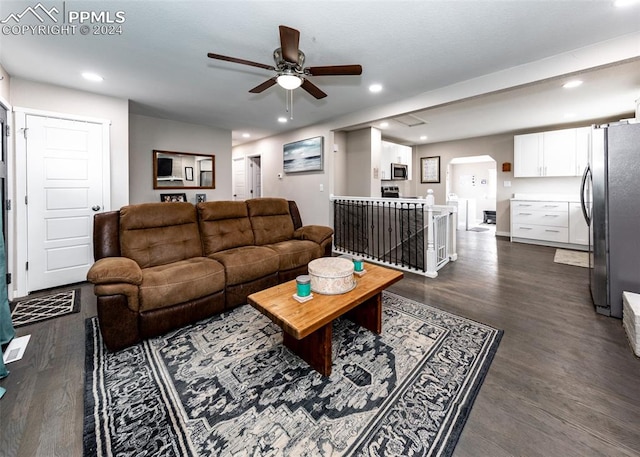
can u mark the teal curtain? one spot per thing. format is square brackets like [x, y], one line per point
[6, 326]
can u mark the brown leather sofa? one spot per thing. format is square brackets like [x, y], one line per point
[160, 266]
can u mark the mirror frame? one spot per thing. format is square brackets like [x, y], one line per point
[158, 153]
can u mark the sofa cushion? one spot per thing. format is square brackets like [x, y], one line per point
[156, 234]
[181, 281]
[247, 263]
[270, 220]
[295, 253]
[224, 225]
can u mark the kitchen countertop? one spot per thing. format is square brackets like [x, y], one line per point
[547, 197]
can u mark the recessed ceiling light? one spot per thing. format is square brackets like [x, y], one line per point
[375, 88]
[92, 77]
[423, 137]
[246, 135]
[384, 125]
[282, 120]
[569, 115]
[572, 84]
[623, 3]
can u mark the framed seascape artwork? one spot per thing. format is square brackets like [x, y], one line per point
[173, 197]
[430, 169]
[304, 155]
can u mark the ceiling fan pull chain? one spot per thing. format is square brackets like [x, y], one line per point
[286, 103]
[291, 105]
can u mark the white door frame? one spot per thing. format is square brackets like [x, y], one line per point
[249, 173]
[18, 217]
[10, 228]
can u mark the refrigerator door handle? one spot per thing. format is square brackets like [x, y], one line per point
[583, 184]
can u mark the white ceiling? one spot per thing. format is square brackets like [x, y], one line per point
[159, 61]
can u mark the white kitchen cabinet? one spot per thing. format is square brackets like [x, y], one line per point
[527, 155]
[540, 220]
[583, 143]
[559, 153]
[553, 223]
[578, 228]
[394, 153]
[554, 153]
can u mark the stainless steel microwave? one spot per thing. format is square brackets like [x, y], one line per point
[399, 171]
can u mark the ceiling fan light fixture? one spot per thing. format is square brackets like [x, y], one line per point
[289, 82]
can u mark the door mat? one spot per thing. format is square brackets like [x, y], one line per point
[31, 310]
[575, 258]
[227, 386]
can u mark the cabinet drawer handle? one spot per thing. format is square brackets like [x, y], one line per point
[552, 231]
[522, 204]
[524, 214]
[526, 228]
[551, 215]
[551, 206]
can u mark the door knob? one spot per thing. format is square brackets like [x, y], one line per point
[95, 208]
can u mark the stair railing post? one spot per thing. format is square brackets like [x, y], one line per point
[431, 250]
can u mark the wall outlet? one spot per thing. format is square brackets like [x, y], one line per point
[507, 184]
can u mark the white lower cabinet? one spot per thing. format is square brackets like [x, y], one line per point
[578, 228]
[548, 222]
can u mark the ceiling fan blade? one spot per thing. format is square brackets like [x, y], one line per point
[334, 70]
[313, 89]
[264, 86]
[289, 42]
[240, 61]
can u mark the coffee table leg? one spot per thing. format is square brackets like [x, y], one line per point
[368, 314]
[315, 349]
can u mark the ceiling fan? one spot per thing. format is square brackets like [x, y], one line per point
[289, 66]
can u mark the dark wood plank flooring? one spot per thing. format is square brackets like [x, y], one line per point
[564, 382]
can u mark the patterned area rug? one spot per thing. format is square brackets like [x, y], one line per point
[575, 258]
[31, 310]
[226, 386]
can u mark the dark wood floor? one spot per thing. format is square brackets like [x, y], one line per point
[563, 383]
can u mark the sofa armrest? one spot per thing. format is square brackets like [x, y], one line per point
[316, 233]
[112, 270]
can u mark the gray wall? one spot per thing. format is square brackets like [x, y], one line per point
[363, 155]
[339, 177]
[148, 133]
[304, 188]
[4, 84]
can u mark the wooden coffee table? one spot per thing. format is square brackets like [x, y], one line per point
[307, 327]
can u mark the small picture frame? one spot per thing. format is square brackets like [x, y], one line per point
[201, 198]
[188, 173]
[173, 198]
[430, 169]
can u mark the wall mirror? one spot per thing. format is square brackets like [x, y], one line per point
[183, 170]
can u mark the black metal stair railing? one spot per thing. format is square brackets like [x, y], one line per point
[393, 232]
[386, 231]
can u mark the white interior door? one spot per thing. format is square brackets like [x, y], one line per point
[239, 180]
[64, 191]
[255, 179]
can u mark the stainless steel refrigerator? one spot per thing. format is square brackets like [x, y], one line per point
[610, 194]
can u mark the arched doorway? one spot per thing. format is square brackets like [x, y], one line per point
[472, 182]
